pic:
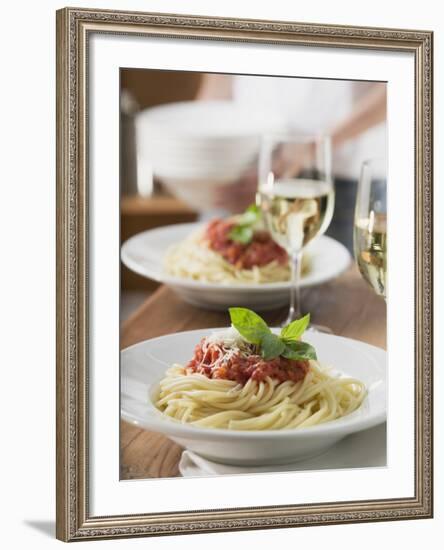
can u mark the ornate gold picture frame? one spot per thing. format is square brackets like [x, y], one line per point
[74, 28]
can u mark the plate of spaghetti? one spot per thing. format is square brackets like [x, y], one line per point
[228, 261]
[252, 395]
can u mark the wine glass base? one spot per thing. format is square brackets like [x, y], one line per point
[319, 328]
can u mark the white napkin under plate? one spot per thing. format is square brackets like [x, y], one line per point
[361, 450]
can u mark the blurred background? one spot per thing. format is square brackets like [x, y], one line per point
[152, 205]
[190, 142]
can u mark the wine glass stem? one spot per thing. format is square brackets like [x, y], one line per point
[295, 301]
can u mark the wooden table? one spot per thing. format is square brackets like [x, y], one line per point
[346, 305]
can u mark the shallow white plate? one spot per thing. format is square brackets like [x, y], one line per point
[202, 122]
[201, 140]
[144, 365]
[144, 254]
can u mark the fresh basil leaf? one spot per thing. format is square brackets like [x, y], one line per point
[271, 346]
[241, 233]
[249, 324]
[251, 215]
[298, 350]
[294, 330]
[254, 208]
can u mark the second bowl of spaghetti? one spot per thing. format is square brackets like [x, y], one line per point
[198, 262]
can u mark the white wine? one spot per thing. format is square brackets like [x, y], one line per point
[370, 242]
[296, 210]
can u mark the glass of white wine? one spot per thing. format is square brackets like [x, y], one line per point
[370, 233]
[296, 196]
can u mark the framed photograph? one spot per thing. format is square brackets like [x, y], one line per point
[235, 347]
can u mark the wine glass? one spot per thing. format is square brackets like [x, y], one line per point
[296, 196]
[370, 229]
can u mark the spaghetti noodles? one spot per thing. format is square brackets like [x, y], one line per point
[194, 259]
[228, 385]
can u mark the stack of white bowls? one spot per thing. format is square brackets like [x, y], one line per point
[195, 146]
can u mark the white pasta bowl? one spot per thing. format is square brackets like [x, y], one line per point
[145, 252]
[195, 146]
[143, 366]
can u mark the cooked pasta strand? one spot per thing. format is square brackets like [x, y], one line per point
[193, 259]
[267, 405]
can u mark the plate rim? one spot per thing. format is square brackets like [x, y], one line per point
[184, 282]
[327, 428]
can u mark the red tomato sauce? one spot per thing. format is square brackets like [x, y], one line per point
[259, 252]
[211, 361]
